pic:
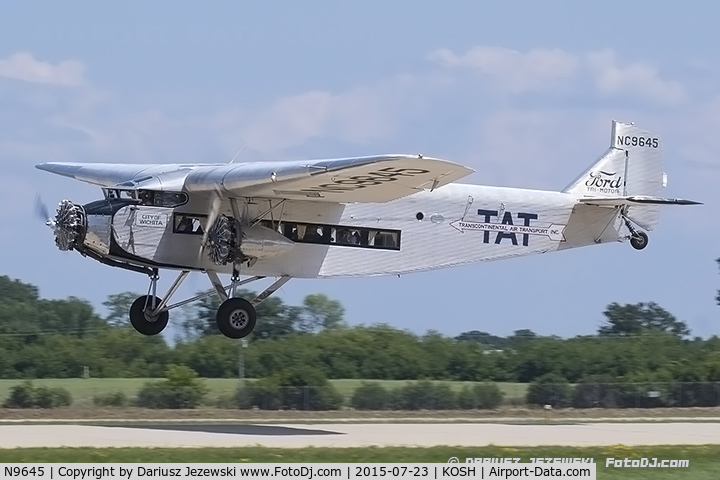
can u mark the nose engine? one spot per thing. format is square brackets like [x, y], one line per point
[69, 225]
[85, 228]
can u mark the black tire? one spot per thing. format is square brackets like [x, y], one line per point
[146, 324]
[640, 241]
[236, 318]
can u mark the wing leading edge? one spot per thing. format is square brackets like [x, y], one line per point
[111, 174]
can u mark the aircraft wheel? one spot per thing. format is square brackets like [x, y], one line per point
[236, 318]
[639, 241]
[145, 323]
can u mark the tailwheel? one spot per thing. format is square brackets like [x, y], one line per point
[236, 318]
[141, 318]
[639, 240]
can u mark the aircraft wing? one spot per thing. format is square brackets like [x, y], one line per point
[636, 200]
[358, 179]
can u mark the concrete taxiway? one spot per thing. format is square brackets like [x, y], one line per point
[356, 435]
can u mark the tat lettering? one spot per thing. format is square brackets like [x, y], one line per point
[509, 233]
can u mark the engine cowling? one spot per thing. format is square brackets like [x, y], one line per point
[85, 227]
[262, 242]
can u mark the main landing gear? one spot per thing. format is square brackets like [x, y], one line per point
[236, 317]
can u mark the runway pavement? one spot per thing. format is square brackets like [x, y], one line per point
[355, 435]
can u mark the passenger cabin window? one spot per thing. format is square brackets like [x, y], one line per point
[341, 235]
[162, 199]
[188, 223]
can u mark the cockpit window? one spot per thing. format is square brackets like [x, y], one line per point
[162, 199]
[114, 193]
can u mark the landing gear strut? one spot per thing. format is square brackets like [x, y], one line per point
[236, 317]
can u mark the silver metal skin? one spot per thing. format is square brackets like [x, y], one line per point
[404, 212]
[99, 233]
[260, 242]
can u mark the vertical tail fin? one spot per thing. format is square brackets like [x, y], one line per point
[631, 166]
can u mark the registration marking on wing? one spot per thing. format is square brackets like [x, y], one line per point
[343, 184]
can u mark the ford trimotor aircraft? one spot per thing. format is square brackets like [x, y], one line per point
[361, 216]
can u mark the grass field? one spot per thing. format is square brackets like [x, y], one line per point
[83, 390]
[704, 460]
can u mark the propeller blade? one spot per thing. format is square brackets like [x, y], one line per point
[41, 210]
[213, 213]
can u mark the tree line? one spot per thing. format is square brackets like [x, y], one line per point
[42, 338]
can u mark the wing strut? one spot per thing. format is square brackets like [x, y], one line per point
[270, 290]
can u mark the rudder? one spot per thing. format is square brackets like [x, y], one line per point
[631, 166]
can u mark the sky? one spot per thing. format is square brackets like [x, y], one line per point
[523, 92]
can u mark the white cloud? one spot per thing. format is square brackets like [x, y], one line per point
[24, 67]
[517, 72]
[543, 69]
[355, 116]
[101, 128]
[290, 120]
[635, 78]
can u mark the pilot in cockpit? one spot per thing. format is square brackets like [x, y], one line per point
[145, 197]
[186, 225]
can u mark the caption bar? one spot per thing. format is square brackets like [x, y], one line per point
[306, 471]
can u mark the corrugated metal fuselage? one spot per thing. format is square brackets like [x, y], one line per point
[453, 225]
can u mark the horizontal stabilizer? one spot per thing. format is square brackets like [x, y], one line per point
[636, 199]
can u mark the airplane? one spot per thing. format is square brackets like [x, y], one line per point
[344, 217]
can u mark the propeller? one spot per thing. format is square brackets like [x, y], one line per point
[213, 213]
[67, 225]
[42, 211]
[217, 236]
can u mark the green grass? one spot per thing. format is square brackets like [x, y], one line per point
[704, 459]
[83, 390]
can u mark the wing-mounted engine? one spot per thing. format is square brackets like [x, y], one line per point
[69, 225]
[222, 240]
[228, 241]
